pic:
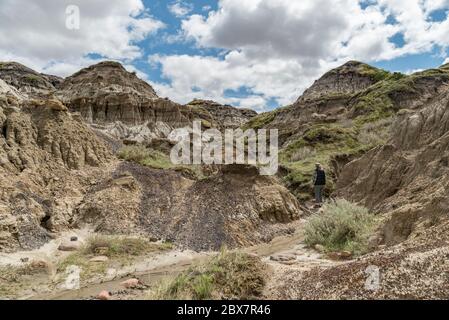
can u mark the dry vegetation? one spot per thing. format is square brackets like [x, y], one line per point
[341, 226]
[119, 250]
[229, 275]
[145, 157]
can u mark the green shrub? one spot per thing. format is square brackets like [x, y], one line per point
[302, 154]
[121, 246]
[341, 226]
[33, 78]
[229, 275]
[375, 133]
[261, 120]
[145, 157]
[118, 249]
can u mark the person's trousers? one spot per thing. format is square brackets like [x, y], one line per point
[319, 193]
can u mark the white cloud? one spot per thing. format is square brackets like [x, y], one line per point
[273, 48]
[35, 33]
[276, 48]
[412, 71]
[275, 78]
[180, 8]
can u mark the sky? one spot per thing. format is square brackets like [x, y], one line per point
[259, 54]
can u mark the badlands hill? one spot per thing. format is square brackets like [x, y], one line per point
[91, 151]
[384, 137]
[58, 168]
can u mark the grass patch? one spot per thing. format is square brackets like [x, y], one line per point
[382, 99]
[342, 226]
[261, 120]
[158, 160]
[120, 250]
[374, 73]
[145, 157]
[302, 153]
[375, 133]
[122, 246]
[230, 275]
[14, 279]
[13, 274]
[33, 78]
[320, 143]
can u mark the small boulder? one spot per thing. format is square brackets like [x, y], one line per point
[320, 248]
[39, 265]
[56, 105]
[104, 295]
[283, 257]
[69, 246]
[346, 255]
[343, 255]
[131, 283]
[319, 117]
[99, 259]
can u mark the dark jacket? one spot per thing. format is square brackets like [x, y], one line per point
[320, 177]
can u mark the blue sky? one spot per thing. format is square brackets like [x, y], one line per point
[160, 9]
[258, 54]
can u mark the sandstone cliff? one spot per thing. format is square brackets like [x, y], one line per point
[408, 177]
[106, 93]
[220, 116]
[350, 78]
[236, 207]
[57, 169]
[119, 104]
[28, 81]
[41, 146]
[405, 182]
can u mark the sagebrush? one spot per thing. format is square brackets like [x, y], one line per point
[229, 275]
[341, 226]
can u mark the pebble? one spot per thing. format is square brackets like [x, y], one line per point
[283, 257]
[104, 295]
[131, 283]
[69, 246]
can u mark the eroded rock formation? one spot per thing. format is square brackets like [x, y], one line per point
[236, 207]
[220, 116]
[26, 80]
[41, 146]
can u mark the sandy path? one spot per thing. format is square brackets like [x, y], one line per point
[152, 269]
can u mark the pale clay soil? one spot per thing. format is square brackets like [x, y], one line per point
[153, 269]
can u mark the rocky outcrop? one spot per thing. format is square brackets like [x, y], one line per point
[408, 179]
[220, 116]
[57, 172]
[41, 148]
[235, 207]
[106, 93]
[413, 270]
[350, 78]
[120, 105]
[44, 131]
[26, 80]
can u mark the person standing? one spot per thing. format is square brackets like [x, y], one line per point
[319, 182]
